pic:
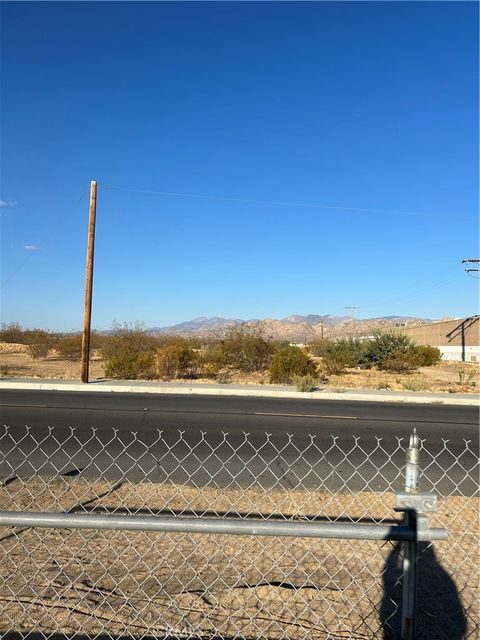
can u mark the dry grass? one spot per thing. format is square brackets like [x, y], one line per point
[155, 583]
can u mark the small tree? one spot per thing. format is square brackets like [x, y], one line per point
[289, 362]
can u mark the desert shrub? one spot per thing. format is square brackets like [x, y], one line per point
[305, 383]
[288, 362]
[398, 361]
[415, 384]
[223, 378]
[335, 362]
[39, 350]
[343, 354]
[426, 356]
[390, 352]
[177, 358]
[99, 341]
[39, 342]
[468, 378]
[12, 333]
[319, 346]
[126, 364]
[70, 347]
[245, 350]
[129, 352]
[127, 336]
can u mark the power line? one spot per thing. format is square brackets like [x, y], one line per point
[47, 234]
[306, 205]
[471, 261]
[14, 273]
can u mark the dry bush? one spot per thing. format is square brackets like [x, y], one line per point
[415, 384]
[319, 346]
[69, 347]
[130, 352]
[242, 349]
[128, 365]
[178, 358]
[133, 337]
[39, 342]
[334, 363]
[426, 356]
[289, 362]
[12, 333]
[39, 350]
[27, 336]
[305, 383]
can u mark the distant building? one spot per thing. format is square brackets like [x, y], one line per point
[458, 340]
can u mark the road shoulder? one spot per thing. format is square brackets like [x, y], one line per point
[270, 391]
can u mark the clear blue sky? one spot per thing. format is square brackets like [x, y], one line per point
[369, 107]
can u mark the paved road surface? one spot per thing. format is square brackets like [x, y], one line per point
[267, 460]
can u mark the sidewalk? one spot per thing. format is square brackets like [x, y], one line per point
[208, 388]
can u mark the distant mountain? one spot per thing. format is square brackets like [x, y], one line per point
[199, 325]
[314, 319]
[294, 328]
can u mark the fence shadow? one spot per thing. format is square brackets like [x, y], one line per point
[440, 614]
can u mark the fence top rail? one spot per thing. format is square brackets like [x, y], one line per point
[229, 526]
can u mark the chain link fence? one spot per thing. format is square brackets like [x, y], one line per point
[89, 582]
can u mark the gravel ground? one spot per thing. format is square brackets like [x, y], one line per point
[190, 586]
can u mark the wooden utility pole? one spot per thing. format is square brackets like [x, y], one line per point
[352, 310]
[87, 310]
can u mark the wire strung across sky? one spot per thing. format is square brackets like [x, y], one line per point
[47, 234]
[307, 205]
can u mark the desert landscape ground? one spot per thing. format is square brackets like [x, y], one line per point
[152, 583]
[451, 377]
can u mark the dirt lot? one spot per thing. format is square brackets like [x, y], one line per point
[138, 584]
[453, 377]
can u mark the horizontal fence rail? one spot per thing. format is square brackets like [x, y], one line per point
[218, 526]
[206, 535]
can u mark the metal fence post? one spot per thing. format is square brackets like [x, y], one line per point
[410, 549]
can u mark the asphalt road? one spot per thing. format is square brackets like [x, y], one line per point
[311, 443]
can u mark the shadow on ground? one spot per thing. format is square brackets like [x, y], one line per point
[440, 614]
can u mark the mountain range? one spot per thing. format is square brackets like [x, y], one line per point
[295, 328]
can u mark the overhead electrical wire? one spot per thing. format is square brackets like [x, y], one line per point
[46, 234]
[306, 205]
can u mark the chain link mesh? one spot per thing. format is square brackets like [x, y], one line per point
[65, 582]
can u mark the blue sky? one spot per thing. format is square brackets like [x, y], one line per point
[363, 117]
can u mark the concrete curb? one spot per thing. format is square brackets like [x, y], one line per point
[227, 390]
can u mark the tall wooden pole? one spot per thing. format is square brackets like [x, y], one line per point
[87, 310]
